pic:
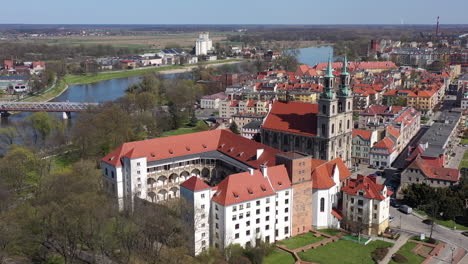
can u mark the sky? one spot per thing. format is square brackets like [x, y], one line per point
[233, 12]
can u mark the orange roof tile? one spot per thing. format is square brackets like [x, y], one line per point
[293, 117]
[195, 184]
[433, 172]
[371, 189]
[385, 143]
[365, 134]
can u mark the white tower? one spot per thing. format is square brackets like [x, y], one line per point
[203, 44]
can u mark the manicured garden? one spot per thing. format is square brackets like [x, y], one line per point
[343, 252]
[278, 256]
[300, 241]
[411, 257]
[356, 238]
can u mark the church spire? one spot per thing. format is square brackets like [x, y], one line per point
[344, 78]
[328, 92]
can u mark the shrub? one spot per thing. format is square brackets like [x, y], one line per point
[379, 253]
[431, 241]
[398, 258]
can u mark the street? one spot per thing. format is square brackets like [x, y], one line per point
[413, 224]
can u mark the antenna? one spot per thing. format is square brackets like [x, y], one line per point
[437, 27]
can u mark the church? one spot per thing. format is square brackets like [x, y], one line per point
[322, 130]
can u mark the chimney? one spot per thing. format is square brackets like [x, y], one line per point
[259, 153]
[264, 170]
[251, 171]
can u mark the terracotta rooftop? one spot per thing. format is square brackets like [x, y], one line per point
[322, 173]
[369, 187]
[433, 172]
[293, 117]
[195, 184]
[224, 141]
[365, 134]
[385, 143]
[242, 187]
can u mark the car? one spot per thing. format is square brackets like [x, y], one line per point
[395, 203]
[379, 173]
[391, 218]
[406, 209]
[465, 233]
[428, 221]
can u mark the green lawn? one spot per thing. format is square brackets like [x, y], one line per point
[464, 162]
[421, 212]
[278, 256]
[331, 232]
[185, 130]
[405, 250]
[343, 252]
[64, 161]
[464, 141]
[355, 238]
[300, 241]
[449, 224]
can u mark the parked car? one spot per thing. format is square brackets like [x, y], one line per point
[465, 233]
[406, 209]
[394, 203]
[428, 221]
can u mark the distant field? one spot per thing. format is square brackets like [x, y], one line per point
[144, 41]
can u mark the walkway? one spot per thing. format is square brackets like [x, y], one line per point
[398, 244]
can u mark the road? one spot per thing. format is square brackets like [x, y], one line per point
[413, 224]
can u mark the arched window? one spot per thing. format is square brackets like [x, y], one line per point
[339, 143]
[323, 130]
[324, 109]
[348, 124]
[285, 139]
[322, 204]
[333, 129]
[349, 106]
[333, 109]
[340, 107]
[341, 123]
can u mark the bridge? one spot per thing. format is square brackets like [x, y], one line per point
[65, 107]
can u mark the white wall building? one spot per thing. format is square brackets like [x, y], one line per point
[212, 101]
[203, 44]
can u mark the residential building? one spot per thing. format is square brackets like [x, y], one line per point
[366, 206]
[212, 101]
[243, 119]
[252, 129]
[322, 130]
[363, 140]
[383, 153]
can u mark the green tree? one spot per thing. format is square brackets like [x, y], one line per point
[8, 135]
[233, 127]
[42, 124]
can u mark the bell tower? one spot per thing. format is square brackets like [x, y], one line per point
[345, 115]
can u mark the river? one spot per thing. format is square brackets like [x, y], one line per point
[113, 89]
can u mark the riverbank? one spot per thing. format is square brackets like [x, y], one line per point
[70, 79]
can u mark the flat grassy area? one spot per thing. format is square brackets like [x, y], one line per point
[464, 162]
[343, 252]
[331, 232]
[300, 241]
[64, 161]
[405, 250]
[449, 224]
[421, 212]
[464, 141]
[278, 256]
[356, 238]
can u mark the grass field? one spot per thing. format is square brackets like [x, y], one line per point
[343, 252]
[300, 241]
[278, 256]
[183, 130]
[464, 162]
[331, 232]
[449, 224]
[405, 250]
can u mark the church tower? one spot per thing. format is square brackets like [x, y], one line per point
[345, 112]
[334, 120]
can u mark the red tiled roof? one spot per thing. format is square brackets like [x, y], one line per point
[242, 187]
[224, 141]
[293, 117]
[381, 110]
[322, 174]
[365, 134]
[433, 172]
[220, 96]
[393, 131]
[337, 214]
[385, 143]
[371, 189]
[195, 184]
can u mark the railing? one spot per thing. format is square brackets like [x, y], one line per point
[45, 106]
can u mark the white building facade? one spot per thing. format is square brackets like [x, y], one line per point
[203, 44]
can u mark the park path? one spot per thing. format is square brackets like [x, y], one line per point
[398, 244]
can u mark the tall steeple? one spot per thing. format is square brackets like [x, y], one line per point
[328, 92]
[344, 79]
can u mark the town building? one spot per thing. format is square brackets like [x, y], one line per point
[422, 171]
[363, 140]
[322, 130]
[153, 169]
[383, 153]
[203, 44]
[366, 206]
[212, 101]
[243, 119]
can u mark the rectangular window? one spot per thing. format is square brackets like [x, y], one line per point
[247, 233]
[287, 193]
[258, 203]
[257, 221]
[286, 201]
[241, 207]
[352, 200]
[202, 206]
[237, 226]
[234, 208]
[258, 211]
[267, 227]
[203, 234]
[247, 214]
[375, 216]
[203, 216]
[241, 215]
[138, 163]
[257, 230]
[267, 209]
[375, 207]
[236, 235]
[286, 209]
[202, 195]
[234, 217]
[216, 207]
[286, 218]
[247, 223]
[267, 218]
[267, 200]
[360, 202]
[217, 226]
[286, 230]
[248, 205]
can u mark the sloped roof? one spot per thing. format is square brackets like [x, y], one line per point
[195, 184]
[293, 117]
[224, 141]
[365, 134]
[393, 131]
[242, 187]
[385, 143]
[433, 172]
[371, 189]
[322, 174]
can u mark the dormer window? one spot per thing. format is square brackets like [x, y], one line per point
[249, 190]
[236, 195]
[171, 151]
[263, 188]
[204, 146]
